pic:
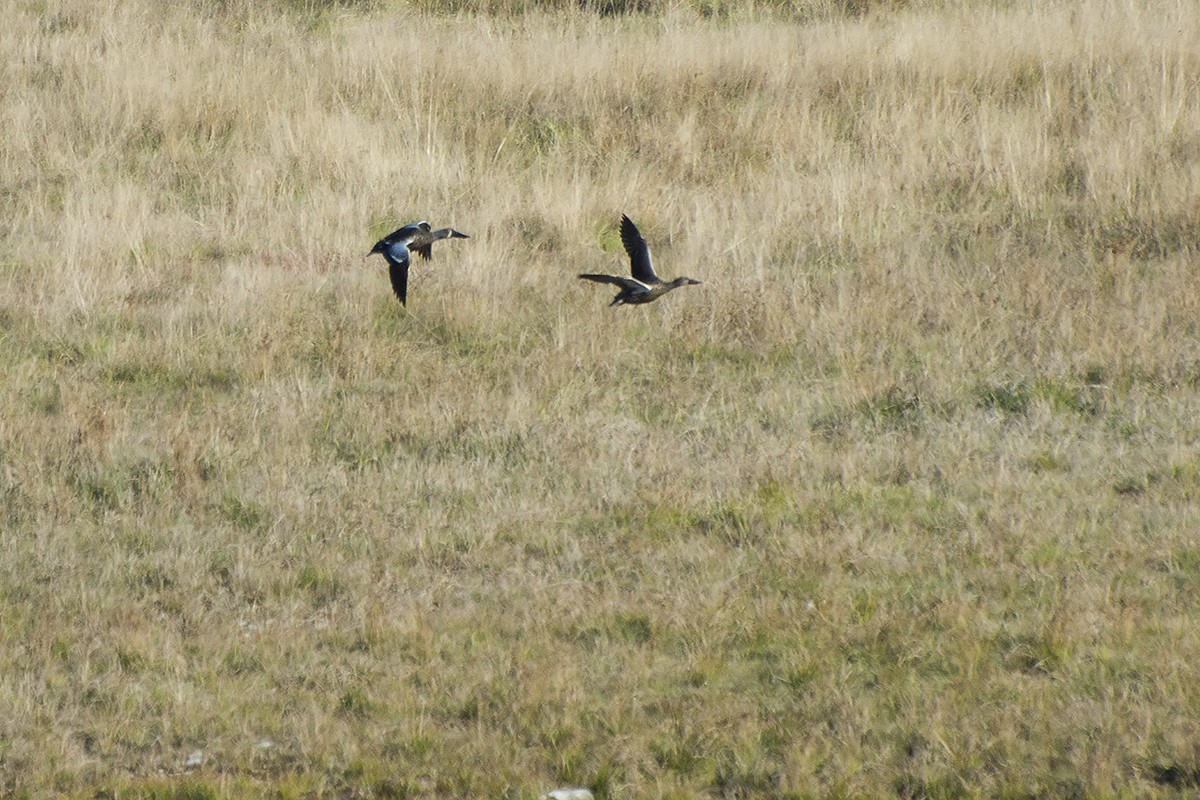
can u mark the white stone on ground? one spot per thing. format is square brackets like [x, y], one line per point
[568, 794]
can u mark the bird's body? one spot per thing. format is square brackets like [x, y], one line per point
[417, 237]
[644, 286]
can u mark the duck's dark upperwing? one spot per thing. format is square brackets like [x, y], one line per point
[639, 252]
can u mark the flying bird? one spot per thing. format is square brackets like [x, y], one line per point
[417, 237]
[645, 286]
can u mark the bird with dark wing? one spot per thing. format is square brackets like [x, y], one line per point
[644, 286]
[417, 237]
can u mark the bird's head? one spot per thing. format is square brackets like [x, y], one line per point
[686, 282]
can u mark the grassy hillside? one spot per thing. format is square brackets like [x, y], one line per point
[903, 501]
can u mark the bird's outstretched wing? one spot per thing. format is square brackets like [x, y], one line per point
[398, 272]
[639, 252]
[408, 232]
[635, 286]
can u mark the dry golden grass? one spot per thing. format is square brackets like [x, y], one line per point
[902, 502]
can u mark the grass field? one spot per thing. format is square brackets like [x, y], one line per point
[903, 501]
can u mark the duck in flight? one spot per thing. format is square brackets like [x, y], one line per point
[645, 286]
[417, 237]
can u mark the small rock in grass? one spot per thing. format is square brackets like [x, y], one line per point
[568, 794]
